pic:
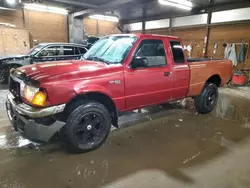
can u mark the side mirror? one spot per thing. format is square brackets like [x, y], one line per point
[139, 62]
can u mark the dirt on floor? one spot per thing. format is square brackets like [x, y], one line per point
[160, 146]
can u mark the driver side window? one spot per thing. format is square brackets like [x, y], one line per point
[153, 50]
[50, 51]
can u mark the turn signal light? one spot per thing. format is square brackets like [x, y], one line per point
[39, 99]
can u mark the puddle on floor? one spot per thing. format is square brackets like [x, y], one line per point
[167, 138]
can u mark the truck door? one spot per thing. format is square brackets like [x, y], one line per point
[153, 83]
[181, 70]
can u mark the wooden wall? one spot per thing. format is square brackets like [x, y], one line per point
[164, 31]
[234, 33]
[100, 28]
[46, 27]
[12, 17]
[90, 26]
[190, 36]
[14, 41]
[43, 26]
[229, 34]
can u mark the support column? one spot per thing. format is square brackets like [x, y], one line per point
[143, 20]
[97, 28]
[121, 27]
[170, 26]
[208, 31]
[23, 15]
[75, 29]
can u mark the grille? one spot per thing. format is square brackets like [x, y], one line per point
[14, 88]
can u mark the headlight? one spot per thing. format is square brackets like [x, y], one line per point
[29, 92]
[39, 99]
[33, 95]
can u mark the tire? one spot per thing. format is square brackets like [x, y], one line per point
[207, 100]
[87, 127]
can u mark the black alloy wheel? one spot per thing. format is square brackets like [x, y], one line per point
[211, 98]
[207, 100]
[87, 127]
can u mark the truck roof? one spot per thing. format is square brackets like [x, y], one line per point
[140, 35]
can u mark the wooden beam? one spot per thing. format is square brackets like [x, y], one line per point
[76, 3]
[143, 20]
[115, 4]
[24, 20]
[209, 17]
[170, 26]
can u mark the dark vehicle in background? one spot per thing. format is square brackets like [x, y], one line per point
[91, 41]
[41, 53]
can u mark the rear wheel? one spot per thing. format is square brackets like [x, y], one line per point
[87, 127]
[207, 100]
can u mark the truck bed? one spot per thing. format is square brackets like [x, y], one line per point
[200, 72]
[191, 60]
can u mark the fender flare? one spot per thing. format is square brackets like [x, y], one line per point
[93, 89]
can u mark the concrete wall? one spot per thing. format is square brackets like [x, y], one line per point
[76, 30]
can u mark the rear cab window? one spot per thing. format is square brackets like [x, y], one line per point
[177, 51]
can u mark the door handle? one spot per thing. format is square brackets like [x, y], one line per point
[167, 73]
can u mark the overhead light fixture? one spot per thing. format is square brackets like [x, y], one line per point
[104, 17]
[182, 4]
[4, 8]
[11, 2]
[7, 24]
[44, 8]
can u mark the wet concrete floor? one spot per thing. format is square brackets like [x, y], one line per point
[164, 146]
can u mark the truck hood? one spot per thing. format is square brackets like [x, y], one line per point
[54, 71]
[12, 56]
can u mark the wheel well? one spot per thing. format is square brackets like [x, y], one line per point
[16, 65]
[101, 98]
[11, 65]
[215, 79]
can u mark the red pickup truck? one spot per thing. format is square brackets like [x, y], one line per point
[81, 99]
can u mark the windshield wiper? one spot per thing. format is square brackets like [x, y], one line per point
[94, 58]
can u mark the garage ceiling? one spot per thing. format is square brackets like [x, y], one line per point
[132, 10]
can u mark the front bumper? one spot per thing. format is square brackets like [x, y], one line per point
[23, 119]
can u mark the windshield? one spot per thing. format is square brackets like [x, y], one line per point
[35, 49]
[112, 49]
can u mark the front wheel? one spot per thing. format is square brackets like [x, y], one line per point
[87, 127]
[207, 100]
